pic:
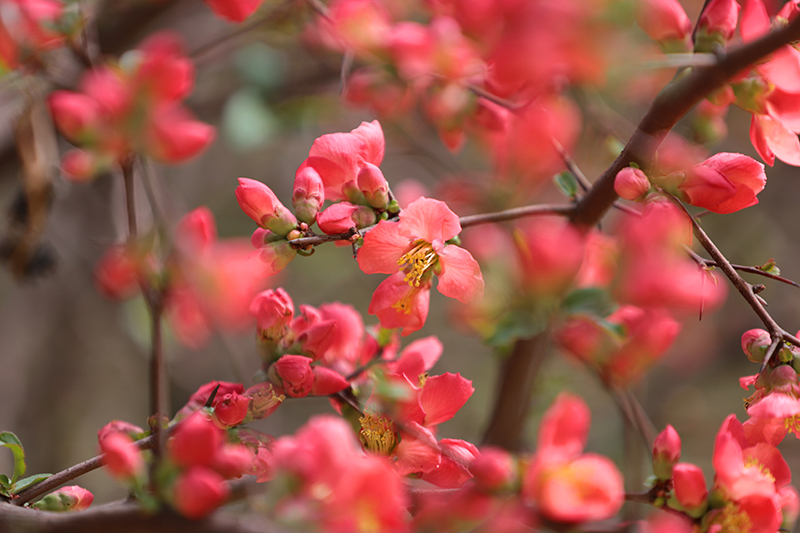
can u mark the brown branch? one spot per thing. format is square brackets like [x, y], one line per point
[514, 393]
[58, 479]
[741, 268]
[672, 103]
[128, 517]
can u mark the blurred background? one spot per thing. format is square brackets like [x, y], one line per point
[71, 360]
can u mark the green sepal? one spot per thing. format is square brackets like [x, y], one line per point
[10, 441]
[566, 183]
[29, 481]
[770, 268]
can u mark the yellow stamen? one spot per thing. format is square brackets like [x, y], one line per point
[753, 462]
[418, 260]
[792, 423]
[377, 434]
[422, 379]
[734, 520]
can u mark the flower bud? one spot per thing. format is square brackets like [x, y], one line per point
[494, 470]
[74, 114]
[373, 186]
[199, 491]
[277, 255]
[293, 373]
[690, 489]
[755, 343]
[79, 166]
[716, 25]
[631, 183]
[72, 498]
[274, 311]
[260, 203]
[666, 452]
[308, 195]
[196, 441]
[230, 410]
[665, 21]
[120, 456]
[175, 136]
[117, 273]
[233, 460]
[327, 381]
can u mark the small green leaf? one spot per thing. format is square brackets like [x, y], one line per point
[10, 441]
[5, 482]
[591, 300]
[770, 268]
[566, 183]
[516, 325]
[29, 481]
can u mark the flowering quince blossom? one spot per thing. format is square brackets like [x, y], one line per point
[564, 483]
[414, 249]
[72, 498]
[333, 484]
[234, 10]
[131, 107]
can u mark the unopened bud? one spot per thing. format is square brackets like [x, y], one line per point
[274, 311]
[293, 374]
[495, 470]
[631, 183]
[374, 186]
[72, 498]
[308, 195]
[690, 489]
[755, 343]
[666, 452]
[716, 25]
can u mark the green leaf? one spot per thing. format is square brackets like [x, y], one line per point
[591, 300]
[262, 66]
[770, 268]
[26, 482]
[5, 482]
[566, 183]
[10, 441]
[516, 325]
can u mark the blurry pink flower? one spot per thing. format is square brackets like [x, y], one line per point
[198, 492]
[234, 10]
[175, 136]
[196, 441]
[495, 470]
[118, 272]
[550, 252]
[358, 26]
[121, 456]
[663, 20]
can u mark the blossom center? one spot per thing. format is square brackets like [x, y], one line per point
[377, 434]
[792, 423]
[417, 261]
[734, 520]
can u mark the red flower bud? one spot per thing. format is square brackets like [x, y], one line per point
[230, 410]
[308, 195]
[260, 203]
[327, 381]
[199, 492]
[373, 186]
[494, 470]
[690, 489]
[631, 183]
[293, 373]
[273, 310]
[72, 498]
[666, 452]
[196, 441]
[120, 456]
[755, 343]
[74, 114]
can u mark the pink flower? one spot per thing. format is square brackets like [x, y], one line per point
[234, 10]
[199, 491]
[339, 157]
[308, 195]
[566, 484]
[260, 203]
[120, 456]
[724, 183]
[550, 252]
[230, 410]
[400, 305]
[720, 17]
[293, 374]
[416, 246]
[494, 469]
[664, 20]
[274, 311]
[196, 441]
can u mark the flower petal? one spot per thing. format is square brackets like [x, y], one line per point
[429, 220]
[383, 247]
[461, 276]
[442, 397]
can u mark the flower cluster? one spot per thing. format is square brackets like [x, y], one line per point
[131, 107]
[751, 490]
[206, 283]
[29, 28]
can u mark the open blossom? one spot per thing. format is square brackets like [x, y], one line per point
[415, 247]
[724, 183]
[564, 483]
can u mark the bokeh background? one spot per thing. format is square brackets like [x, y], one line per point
[71, 360]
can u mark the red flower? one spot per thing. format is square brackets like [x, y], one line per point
[416, 247]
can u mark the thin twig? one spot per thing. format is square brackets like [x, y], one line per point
[130, 199]
[58, 479]
[741, 268]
